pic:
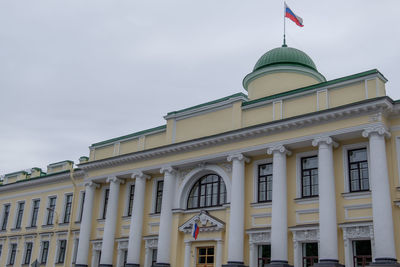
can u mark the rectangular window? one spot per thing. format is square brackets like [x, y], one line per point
[35, 212]
[264, 255]
[45, 252]
[13, 252]
[153, 256]
[309, 176]
[159, 193]
[20, 214]
[6, 214]
[106, 193]
[1, 250]
[130, 203]
[82, 205]
[310, 254]
[265, 182]
[51, 210]
[68, 206]
[28, 253]
[76, 243]
[61, 251]
[358, 170]
[362, 253]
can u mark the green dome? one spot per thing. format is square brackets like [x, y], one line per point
[284, 55]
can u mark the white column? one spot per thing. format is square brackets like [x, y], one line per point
[86, 225]
[297, 254]
[218, 258]
[187, 253]
[279, 246]
[107, 248]
[147, 257]
[327, 201]
[348, 255]
[253, 255]
[381, 200]
[164, 236]
[135, 231]
[236, 218]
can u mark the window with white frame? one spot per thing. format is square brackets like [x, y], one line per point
[362, 253]
[81, 205]
[20, 214]
[12, 254]
[28, 252]
[6, 214]
[355, 167]
[264, 182]
[310, 254]
[130, 199]
[106, 194]
[208, 191]
[358, 169]
[67, 208]
[35, 212]
[45, 251]
[51, 209]
[263, 255]
[62, 247]
[309, 176]
[153, 256]
[75, 253]
[158, 196]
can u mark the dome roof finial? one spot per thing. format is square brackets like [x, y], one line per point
[284, 41]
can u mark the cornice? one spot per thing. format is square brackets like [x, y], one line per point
[382, 104]
[54, 178]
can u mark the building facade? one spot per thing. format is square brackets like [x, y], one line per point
[299, 171]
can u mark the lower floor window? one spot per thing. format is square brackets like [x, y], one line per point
[264, 255]
[310, 254]
[45, 252]
[13, 253]
[154, 256]
[28, 253]
[205, 257]
[61, 251]
[362, 254]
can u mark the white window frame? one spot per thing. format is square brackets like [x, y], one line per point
[31, 213]
[11, 242]
[65, 206]
[80, 207]
[16, 214]
[299, 156]
[127, 191]
[255, 177]
[345, 149]
[75, 248]
[2, 215]
[41, 250]
[154, 197]
[101, 206]
[25, 251]
[56, 255]
[55, 219]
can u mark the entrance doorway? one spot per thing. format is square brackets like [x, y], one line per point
[205, 257]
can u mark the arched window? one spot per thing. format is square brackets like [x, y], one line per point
[208, 191]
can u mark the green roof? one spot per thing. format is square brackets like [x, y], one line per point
[315, 86]
[39, 177]
[284, 55]
[159, 128]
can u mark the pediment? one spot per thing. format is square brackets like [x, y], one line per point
[205, 221]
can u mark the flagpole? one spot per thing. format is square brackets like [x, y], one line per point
[284, 24]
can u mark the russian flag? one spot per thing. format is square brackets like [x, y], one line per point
[290, 14]
[195, 231]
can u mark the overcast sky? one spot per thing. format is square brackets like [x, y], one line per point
[73, 73]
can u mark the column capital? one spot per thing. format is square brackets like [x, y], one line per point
[140, 175]
[168, 169]
[324, 139]
[278, 148]
[114, 179]
[238, 156]
[92, 184]
[380, 130]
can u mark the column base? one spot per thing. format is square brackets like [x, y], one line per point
[278, 264]
[328, 263]
[234, 264]
[132, 265]
[161, 264]
[385, 262]
[81, 265]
